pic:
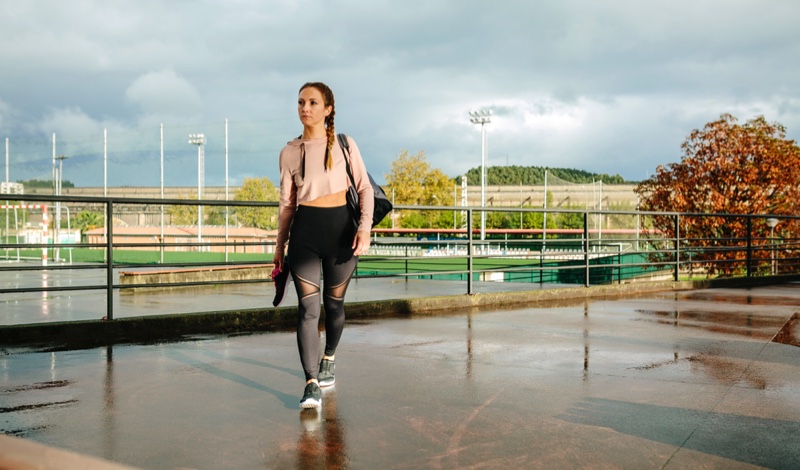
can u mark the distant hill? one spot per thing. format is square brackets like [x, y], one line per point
[64, 183]
[534, 175]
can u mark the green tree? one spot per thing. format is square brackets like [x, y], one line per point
[257, 189]
[570, 219]
[414, 182]
[438, 191]
[183, 214]
[215, 215]
[531, 175]
[406, 179]
[34, 183]
[88, 220]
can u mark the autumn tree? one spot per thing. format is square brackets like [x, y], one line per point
[414, 182]
[257, 189]
[726, 168]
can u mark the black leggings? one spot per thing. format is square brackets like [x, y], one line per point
[320, 236]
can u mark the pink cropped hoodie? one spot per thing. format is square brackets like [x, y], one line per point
[304, 178]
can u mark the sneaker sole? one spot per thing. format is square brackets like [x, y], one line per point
[311, 403]
[327, 384]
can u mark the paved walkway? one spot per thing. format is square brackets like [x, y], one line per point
[58, 306]
[694, 379]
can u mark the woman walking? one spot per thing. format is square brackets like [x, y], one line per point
[313, 219]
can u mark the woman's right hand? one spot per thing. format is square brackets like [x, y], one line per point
[278, 260]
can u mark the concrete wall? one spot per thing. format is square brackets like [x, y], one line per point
[164, 277]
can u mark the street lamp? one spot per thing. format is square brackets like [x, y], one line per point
[772, 222]
[59, 179]
[199, 140]
[482, 117]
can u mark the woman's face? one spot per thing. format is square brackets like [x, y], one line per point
[311, 107]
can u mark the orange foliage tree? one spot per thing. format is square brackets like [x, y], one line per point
[727, 169]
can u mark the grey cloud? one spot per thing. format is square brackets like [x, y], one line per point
[165, 93]
[611, 86]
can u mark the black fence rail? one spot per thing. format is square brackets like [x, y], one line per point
[636, 247]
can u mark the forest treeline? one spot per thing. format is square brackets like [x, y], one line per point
[49, 183]
[534, 175]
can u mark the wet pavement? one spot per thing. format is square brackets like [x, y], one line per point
[694, 379]
[74, 305]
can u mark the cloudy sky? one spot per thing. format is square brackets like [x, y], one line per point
[611, 86]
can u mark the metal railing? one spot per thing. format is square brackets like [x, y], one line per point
[584, 255]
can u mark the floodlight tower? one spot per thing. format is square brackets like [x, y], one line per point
[58, 181]
[482, 117]
[199, 140]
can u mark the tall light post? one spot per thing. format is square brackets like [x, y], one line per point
[482, 117]
[772, 222]
[59, 179]
[226, 190]
[199, 140]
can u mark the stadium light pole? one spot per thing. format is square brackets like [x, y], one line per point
[199, 140]
[60, 178]
[482, 117]
[8, 203]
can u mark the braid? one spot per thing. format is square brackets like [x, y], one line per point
[329, 129]
[327, 95]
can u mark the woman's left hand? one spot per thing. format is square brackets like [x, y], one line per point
[361, 242]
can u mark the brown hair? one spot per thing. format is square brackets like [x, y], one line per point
[327, 96]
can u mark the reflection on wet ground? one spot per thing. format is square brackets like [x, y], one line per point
[790, 333]
[665, 380]
[764, 442]
[57, 306]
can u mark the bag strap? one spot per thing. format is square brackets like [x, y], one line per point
[346, 150]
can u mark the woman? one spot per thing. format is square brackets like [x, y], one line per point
[313, 218]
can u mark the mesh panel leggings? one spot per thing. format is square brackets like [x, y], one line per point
[320, 242]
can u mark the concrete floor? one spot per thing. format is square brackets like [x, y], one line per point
[697, 379]
[77, 305]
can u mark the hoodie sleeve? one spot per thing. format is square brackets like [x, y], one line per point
[287, 204]
[363, 186]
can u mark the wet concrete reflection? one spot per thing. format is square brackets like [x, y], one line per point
[770, 443]
[22, 405]
[109, 410]
[322, 442]
[659, 381]
[790, 333]
[728, 322]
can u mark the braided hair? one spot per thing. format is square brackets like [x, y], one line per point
[327, 96]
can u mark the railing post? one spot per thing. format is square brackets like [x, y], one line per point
[470, 249]
[406, 262]
[109, 260]
[677, 248]
[749, 246]
[586, 246]
[541, 265]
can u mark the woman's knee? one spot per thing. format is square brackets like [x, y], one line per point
[333, 306]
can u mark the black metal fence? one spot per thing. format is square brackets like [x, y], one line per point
[636, 247]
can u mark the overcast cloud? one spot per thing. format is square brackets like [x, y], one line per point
[609, 87]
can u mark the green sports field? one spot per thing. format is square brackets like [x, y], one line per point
[444, 268]
[87, 255]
